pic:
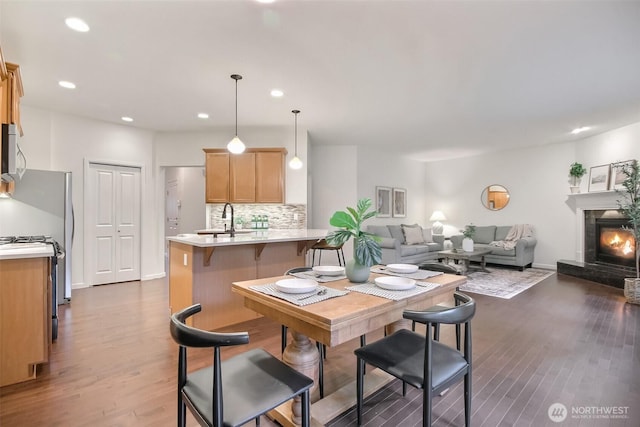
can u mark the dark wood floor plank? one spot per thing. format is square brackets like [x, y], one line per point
[565, 340]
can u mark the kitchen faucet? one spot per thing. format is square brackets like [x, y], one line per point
[232, 230]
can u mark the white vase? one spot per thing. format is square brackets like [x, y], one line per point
[467, 244]
[574, 184]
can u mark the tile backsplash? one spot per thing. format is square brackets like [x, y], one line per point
[280, 216]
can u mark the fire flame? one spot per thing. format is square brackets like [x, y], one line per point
[626, 246]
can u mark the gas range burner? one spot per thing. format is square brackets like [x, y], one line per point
[30, 239]
[6, 240]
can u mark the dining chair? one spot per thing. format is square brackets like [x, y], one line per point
[322, 245]
[237, 390]
[419, 360]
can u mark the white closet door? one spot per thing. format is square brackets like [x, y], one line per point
[115, 214]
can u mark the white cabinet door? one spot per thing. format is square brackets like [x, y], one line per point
[115, 218]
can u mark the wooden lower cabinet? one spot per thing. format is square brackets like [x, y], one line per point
[25, 318]
[204, 276]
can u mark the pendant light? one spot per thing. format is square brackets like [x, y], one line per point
[295, 163]
[236, 146]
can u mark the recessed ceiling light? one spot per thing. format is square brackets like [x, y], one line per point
[580, 130]
[127, 119]
[67, 85]
[203, 116]
[265, 1]
[77, 24]
[277, 93]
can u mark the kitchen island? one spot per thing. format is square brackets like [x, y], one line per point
[25, 310]
[202, 268]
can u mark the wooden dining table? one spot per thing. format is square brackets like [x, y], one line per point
[332, 322]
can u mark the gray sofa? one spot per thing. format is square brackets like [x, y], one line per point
[397, 249]
[520, 256]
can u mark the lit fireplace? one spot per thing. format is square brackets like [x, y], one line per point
[614, 244]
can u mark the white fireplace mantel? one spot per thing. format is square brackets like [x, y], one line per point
[581, 202]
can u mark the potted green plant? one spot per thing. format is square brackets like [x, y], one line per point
[576, 172]
[467, 242]
[630, 206]
[366, 246]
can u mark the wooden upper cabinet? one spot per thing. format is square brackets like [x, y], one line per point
[242, 177]
[270, 177]
[217, 177]
[255, 176]
[11, 91]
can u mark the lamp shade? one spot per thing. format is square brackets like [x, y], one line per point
[437, 216]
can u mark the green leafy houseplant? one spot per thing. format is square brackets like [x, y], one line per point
[577, 170]
[366, 246]
[469, 231]
[630, 203]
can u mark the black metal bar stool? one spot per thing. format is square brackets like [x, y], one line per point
[322, 245]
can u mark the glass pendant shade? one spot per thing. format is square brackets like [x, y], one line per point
[235, 146]
[295, 163]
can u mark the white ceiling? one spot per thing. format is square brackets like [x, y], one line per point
[435, 79]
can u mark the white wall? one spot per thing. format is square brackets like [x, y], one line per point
[55, 141]
[343, 174]
[537, 179]
[387, 169]
[185, 149]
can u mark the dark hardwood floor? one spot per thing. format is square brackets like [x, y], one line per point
[565, 340]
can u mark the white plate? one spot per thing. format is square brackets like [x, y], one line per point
[395, 283]
[328, 270]
[296, 286]
[402, 268]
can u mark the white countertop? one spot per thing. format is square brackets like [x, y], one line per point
[260, 236]
[25, 250]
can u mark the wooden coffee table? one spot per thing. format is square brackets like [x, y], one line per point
[466, 257]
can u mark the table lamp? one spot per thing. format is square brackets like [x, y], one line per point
[437, 216]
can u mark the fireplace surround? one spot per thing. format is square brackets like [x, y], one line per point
[601, 242]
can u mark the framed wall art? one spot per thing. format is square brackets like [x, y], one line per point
[383, 201]
[599, 178]
[399, 202]
[617, 174]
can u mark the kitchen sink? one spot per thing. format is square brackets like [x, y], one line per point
[215, 233]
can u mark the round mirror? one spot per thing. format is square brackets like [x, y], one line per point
[495, 197]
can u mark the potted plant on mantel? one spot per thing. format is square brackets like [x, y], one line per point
[576, 172]
[630, 206]
[366, 246]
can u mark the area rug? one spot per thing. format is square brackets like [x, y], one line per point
[503, 282]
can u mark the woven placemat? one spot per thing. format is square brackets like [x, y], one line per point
[418, 275]
[322, 278]
[270, 289]
[372, 289]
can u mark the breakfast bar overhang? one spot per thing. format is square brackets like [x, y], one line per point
[202, 268]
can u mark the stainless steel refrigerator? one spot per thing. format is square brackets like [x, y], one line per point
[41, 205]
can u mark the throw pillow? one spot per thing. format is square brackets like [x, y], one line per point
[412, 234]
[427, 234]
[396, 233]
